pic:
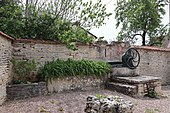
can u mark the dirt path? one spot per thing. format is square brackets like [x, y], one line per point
[74, 102]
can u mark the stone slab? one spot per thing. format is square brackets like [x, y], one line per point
[138, 79]
[123, 88]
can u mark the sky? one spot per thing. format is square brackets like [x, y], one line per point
[109, 30]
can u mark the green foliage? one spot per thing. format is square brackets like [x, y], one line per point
[72, 34]
[152, 111]
[100, 96]
[139, 18]
[152, 94]
[86, 14]
[62, 20]
[22, 70]
[61, 68]
[11, 18]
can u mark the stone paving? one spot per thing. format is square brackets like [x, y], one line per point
[75, 102]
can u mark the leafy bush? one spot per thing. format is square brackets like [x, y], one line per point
[61, 68]
[22, 70]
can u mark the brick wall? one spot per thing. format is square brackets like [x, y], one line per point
[5, 56]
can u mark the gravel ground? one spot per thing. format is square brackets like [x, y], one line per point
[74, 102]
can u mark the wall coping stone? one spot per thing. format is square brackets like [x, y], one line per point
[152, 48]
[35, 41]
[6, 36]
[19, 40]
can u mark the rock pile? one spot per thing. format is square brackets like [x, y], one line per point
[108, 104]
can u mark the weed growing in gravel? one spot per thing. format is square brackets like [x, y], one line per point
[42, 109]
[61, 109]
[100, 96]
[152, 111]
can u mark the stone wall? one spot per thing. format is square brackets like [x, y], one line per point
[76, 83]
[22, 91]
[155, 62]
[5, 57]
[43, 51]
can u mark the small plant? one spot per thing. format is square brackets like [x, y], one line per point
[22, 70]
[42, 109]
[52, 101]
[152, 94]
[61, 68]
[61, 109]
[100, 96]
[152, 111]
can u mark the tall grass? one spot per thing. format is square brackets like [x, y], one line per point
[62, 68]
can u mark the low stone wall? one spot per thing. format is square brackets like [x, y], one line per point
[76, 83]
[22, 91]
[108, 104]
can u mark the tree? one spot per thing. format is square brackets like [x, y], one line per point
[54, 20]
[139, 18]
[87, 14]
[11, 18]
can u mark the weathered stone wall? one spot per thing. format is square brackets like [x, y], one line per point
[42, 51]
[22, 91]
[5, 57]
[155, 62]
[76, 83]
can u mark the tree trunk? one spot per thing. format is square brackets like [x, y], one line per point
[143, 38]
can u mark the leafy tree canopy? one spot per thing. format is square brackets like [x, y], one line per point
[140, 17]
[55, 19]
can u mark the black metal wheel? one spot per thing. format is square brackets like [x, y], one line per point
[131, 58]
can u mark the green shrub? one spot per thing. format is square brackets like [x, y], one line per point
[61, 68]
[22, 70]
[152, 93]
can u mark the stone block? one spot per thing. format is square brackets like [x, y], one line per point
[124, 72]
[75, 83]
[22, 91]
[2, 94]
[108, 104]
